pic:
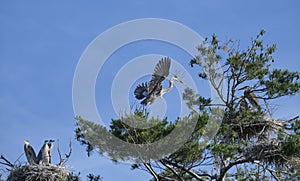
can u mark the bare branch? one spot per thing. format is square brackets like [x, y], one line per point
[193, 174]
[230, 165]
[64, 160]
[271, 171]
[7, 163]
[149, 168]
[172, 170]
[58, 150]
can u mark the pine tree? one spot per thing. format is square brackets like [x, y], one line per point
[249, 145]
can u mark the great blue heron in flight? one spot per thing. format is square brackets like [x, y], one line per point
[152, 90]
[29, 152]
[43, 155]
[251, 97]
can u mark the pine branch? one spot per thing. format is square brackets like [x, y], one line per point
[224, 170]
[193, 174]
[172, 170]
[149, 168]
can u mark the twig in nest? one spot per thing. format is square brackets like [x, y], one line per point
[293, 119]
[7, 163]
[67, 155]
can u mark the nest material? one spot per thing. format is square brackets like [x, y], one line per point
[38, 173]
[256, 127]
[268, 150]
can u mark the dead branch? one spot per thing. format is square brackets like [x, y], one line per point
[292, 119]
[67, 155]
[6, 162]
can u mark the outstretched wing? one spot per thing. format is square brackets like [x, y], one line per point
[141, 91]
[161, 71]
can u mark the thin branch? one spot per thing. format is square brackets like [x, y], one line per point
[64, 160]
[7, 163]
[211, 105]
[147, 165]
[218, 91]
[172, 170]
[271, 171]
[228, 167]
[193, 174]
[60, 158]
[294, 118]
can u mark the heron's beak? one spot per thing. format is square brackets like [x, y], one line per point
[181, 81]
[178, 80]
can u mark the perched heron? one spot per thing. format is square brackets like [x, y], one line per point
[152, 90]
[43, 155]
[250, 96]
[243, 103]
[50, 145]
[29, 152]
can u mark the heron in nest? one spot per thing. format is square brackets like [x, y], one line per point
[50, 145]
[44, 153]
[149, 92]
[250, 96]
[29, 152]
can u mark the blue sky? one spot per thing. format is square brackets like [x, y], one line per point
[41, 43]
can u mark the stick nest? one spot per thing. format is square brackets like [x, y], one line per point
[38, 173]
[255, 126]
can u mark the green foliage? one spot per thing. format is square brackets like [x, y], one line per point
[139, 136]
[291, 145]
[227, 150]
[193, 99]
[246, 139]
[73, 177]
[92, 177]
[80, 135]
[243, 125]
[1, 177]
[76, 177]
[282, 82]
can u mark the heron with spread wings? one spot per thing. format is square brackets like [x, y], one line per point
[149, 92]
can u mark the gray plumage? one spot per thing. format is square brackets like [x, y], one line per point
[29, 152]
[243, 103]
[43, 155]
[250, 96]
[152, 90]
[50, 145]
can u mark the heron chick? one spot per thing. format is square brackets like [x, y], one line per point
[43, 155]
[29, 152]
[50, 145]
[251, 97]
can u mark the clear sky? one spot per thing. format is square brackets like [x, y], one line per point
[41, 43]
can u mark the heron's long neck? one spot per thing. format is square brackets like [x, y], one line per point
[170, 86]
